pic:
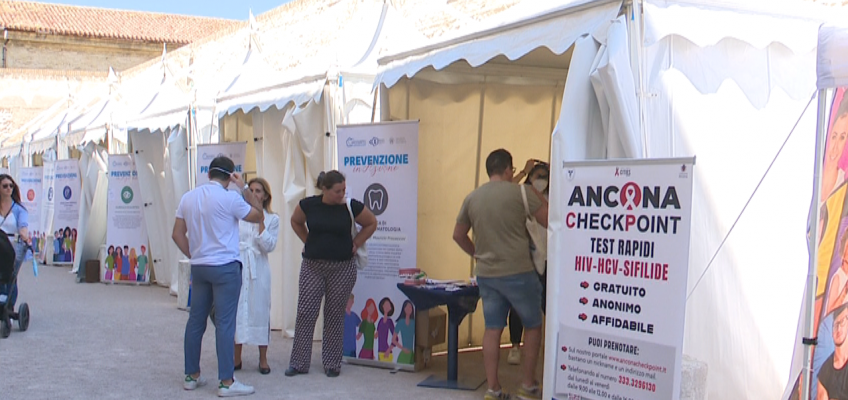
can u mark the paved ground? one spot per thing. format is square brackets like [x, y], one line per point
[96, 341]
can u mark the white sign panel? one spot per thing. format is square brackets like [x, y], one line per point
[127, 258]
[66, 207]
[236, 151]
[621, 307]
[51, 243]
[31, 189]
[380, 163]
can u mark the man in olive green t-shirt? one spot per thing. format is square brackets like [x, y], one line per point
[505, 272]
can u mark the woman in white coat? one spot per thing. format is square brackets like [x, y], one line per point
[253, 320]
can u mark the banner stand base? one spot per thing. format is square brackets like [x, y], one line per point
[379, 364]
[128, 283]
[434, 381]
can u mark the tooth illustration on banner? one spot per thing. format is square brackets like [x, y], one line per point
[376, 198]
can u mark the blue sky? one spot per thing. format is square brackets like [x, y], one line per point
[231, 9]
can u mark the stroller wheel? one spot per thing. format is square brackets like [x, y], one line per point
[23, 317]
[5, 327]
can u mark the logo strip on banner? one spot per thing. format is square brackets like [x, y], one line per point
[623, 255]
[380, 163]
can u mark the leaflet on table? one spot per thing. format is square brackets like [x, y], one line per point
[623, 286]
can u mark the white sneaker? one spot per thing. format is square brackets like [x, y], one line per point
[235, 389]
[191, 383]
[514, 356]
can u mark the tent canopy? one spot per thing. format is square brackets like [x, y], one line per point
[832, 62]
[163, 107]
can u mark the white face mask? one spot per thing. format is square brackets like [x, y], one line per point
[540, 184]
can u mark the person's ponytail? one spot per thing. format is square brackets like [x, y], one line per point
[319, 183]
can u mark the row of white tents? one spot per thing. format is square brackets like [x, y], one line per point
[728, 82]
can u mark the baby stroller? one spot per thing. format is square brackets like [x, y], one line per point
[10, 265]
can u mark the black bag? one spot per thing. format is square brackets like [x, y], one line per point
[7, 259]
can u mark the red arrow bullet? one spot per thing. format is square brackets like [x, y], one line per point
[584, 285]
[564, 349]
[563, 367]
[584, 301]
[582, 317]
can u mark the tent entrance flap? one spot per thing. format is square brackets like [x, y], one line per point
[465, 113]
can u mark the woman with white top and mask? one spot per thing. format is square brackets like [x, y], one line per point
[538, 175]
[14, 222]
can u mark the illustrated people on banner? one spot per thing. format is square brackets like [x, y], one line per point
[405, 329]
[133, 265]
[142, 265]
[126, 267]
[206, 230]
[69, 245]
[118, 263]
[833, 376]
[57, 246]
[352, 322]
[386, 331]
[323, 223]
[256, 241]
[506, 275]
[831, 270]
[367, 329]
[537, 174]
[110, 263]
[73, 244]
[835, 158]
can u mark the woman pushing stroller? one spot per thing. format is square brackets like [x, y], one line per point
[14, 220]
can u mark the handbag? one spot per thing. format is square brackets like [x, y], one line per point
[361, 256]
[538, 237]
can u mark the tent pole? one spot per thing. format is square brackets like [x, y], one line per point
[809, 329]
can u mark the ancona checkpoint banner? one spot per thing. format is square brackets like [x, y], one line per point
[31, 189]
[66, 204]
[625, 247]
[127, 259]
[236, 151]
[51, 243]
[380, 163]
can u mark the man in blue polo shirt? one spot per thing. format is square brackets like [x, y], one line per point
[207, 231]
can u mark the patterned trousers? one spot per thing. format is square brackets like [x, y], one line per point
[318, 279]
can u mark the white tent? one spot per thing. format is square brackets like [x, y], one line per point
[725, 82]
[294, 114]
[157, 123]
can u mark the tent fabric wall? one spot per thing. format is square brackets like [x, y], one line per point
[155, 175]
[268, 128]
[731, 320]
[303, 141]
[614, 87]
[178, 163]
[92, 215]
